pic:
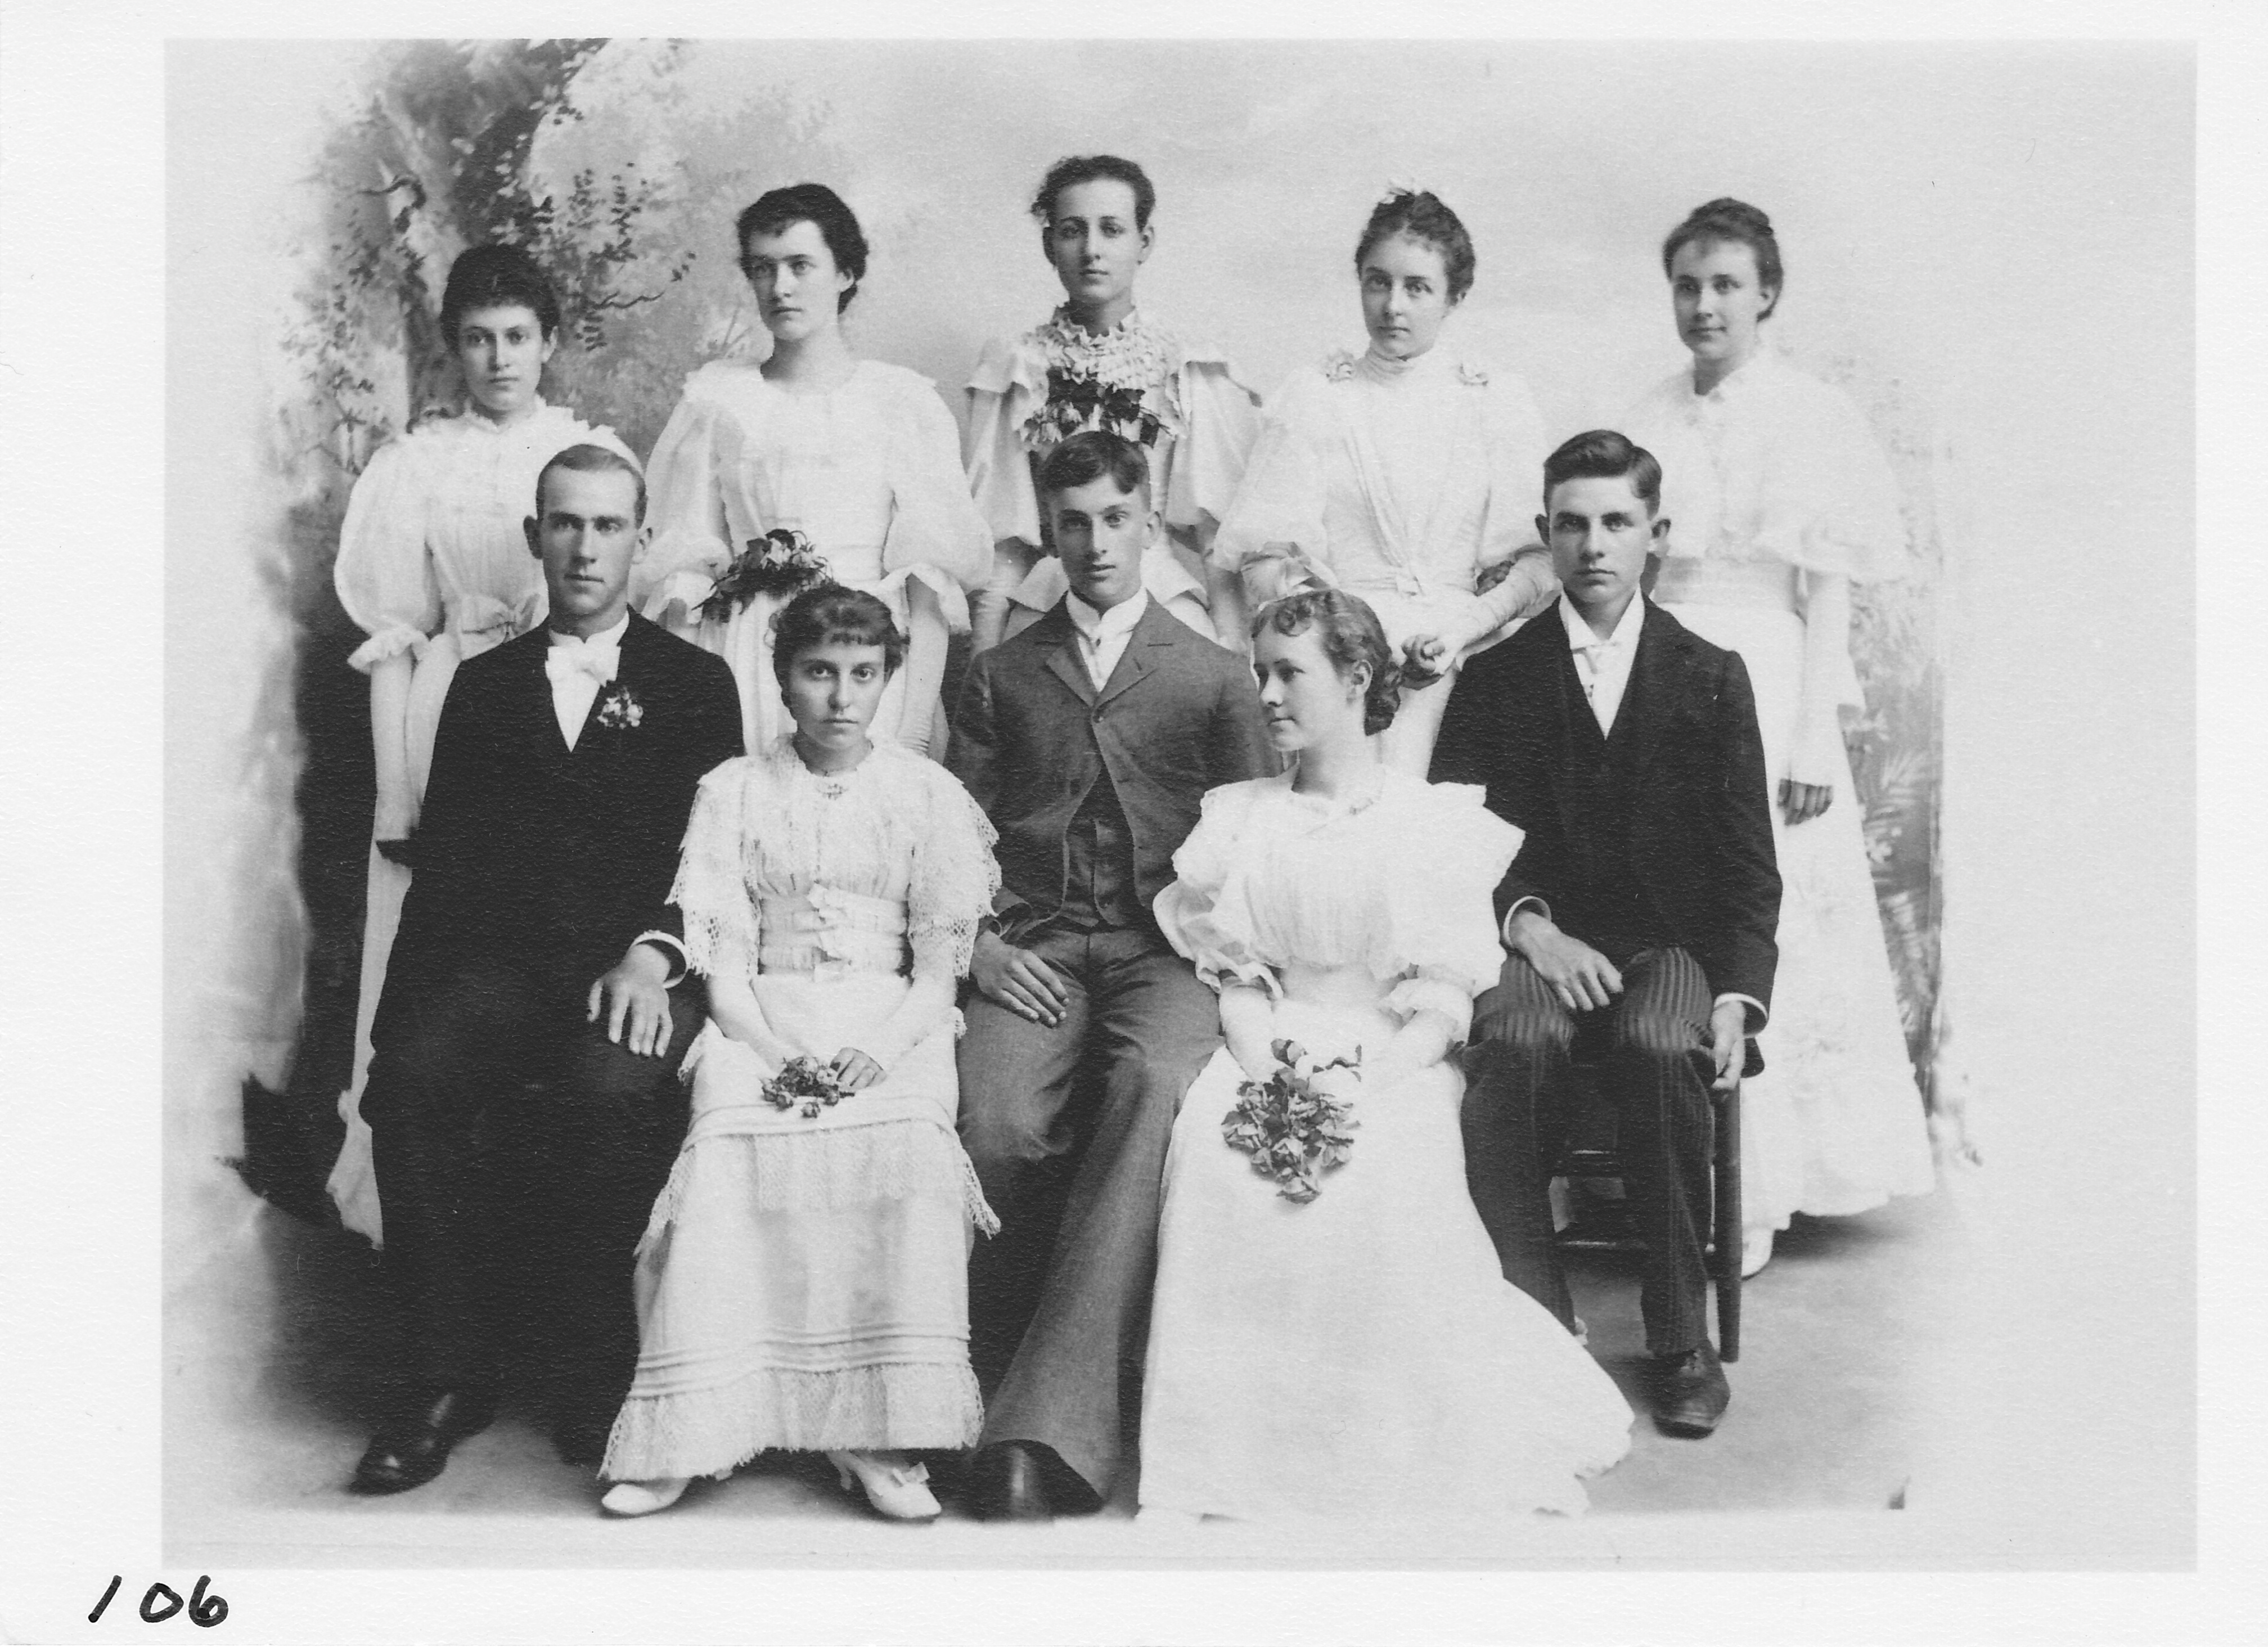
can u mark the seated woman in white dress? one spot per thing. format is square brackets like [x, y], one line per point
[803, 1284]
[1778, 499]
[1338, 1340]
[858, 457]
[1099, 362]
[433, 565]
[1406, 473]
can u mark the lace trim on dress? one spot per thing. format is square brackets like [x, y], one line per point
[826, 1169]
[713, 1431]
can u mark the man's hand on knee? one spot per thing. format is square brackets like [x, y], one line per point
[1019, 980]
[633, 1001]
[1582, 978]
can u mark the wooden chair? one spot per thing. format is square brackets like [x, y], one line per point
[1600, 1224]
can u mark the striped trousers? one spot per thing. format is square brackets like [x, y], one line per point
[1654, 1043]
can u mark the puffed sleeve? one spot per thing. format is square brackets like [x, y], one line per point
[1205, 913]
[935, 533]
[1280, 498]
[954, 878]
[383, 574]
[1830, 503]
[685, 505]
[1220, 423]
[1513, 429]
[1450, 853]
[712, 890]
[1008, 385]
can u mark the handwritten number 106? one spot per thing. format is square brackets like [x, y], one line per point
[161, 1601]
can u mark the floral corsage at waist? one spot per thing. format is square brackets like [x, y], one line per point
[804, 1084]
[1293, 1132]
[781, 562]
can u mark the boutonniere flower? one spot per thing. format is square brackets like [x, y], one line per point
[1294, 1131]
[619, 708]
[781, 562]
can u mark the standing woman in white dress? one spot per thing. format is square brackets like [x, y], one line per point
[1101, 363]
[1778, 499]
[1339, 1339]
[860, 458]
[804, 1281]
[434, 567]
[1403, 473]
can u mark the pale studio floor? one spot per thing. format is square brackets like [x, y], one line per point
[263, 1428]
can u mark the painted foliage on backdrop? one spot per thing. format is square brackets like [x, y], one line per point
[595, 157]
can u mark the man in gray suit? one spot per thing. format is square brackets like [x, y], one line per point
[1090, 739]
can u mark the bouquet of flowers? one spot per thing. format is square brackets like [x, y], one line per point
[805, 1084]
[1076, 403]
[1294, 1133]
[781, 562]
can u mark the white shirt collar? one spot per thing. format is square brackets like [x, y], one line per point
[1098, 626]
[606, 640]
[1580, 638]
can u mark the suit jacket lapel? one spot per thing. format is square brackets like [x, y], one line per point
[1154, 631]
[1647, 699]
[1059, 649]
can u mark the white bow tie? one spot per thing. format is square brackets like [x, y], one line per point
[565, 661]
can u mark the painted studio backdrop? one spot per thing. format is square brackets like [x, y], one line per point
[619, 165]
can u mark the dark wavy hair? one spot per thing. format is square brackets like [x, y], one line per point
[1091, 454]
[1350, 634]
[589, 458]
[1602, 454]
[827, 614]
[1421, 216]
[1736, 222]
[493, 277]
[1094, 168]
[822, 208]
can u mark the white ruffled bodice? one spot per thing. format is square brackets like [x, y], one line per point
[433, 541]
[869, 471]
[1393, 477]
[1772, 465]
[1272, 881]
[1198, 422]
[787, 870]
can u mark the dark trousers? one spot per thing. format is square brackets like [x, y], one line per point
[1655, 1040]
[1077, 1117]
[513, 1211]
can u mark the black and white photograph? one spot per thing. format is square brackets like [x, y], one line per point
[1183, 827]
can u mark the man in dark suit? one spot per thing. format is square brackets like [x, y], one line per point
[1089, 739]
[523, 1100]
[1642, 904]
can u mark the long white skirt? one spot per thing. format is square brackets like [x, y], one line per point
[803, 1284]
[1835, 1124]
[1361, 1355]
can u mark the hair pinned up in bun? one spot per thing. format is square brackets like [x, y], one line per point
[1350, 634]
[1420, 215]
[1727, 220]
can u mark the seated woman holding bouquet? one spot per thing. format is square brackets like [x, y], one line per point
[814, 463]
[803, 1284]
[1331, 1334]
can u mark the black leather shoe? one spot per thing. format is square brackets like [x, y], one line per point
[1689, 1392]
[413, 1451]
[1007, 1484]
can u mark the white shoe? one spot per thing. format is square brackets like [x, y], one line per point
[1755, 1251]
[643, 1498]
[895, 1487]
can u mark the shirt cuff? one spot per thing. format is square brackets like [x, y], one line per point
[674, 946]
[1756, 1013]
[1541, 907]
